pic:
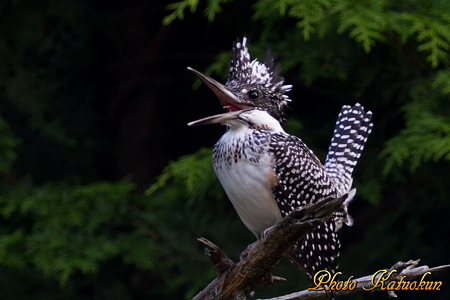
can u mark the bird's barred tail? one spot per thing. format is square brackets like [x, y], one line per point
[352, 129]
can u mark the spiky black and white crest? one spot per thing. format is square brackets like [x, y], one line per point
[244, 72]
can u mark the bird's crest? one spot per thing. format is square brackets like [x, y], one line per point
[245, 72]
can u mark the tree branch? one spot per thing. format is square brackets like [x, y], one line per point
[254, 270]
[401, 273]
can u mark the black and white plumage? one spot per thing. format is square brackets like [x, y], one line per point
[268, 173]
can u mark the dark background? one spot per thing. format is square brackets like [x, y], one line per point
[93, 92]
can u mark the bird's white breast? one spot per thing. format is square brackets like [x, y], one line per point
[245, 170]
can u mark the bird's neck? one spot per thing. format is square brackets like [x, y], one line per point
[256, 120]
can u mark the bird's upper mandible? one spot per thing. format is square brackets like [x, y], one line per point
[251, 84]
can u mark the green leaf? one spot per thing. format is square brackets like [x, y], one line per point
[178, 10]
[426, 136]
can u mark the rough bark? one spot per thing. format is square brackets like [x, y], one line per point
[254, 270]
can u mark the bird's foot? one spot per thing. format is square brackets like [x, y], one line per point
[245, 253]
[265, 232]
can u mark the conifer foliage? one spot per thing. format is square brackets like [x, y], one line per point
[71, 230]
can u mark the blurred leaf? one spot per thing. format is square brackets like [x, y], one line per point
[427, 133]
[193, 176]
[8, 145]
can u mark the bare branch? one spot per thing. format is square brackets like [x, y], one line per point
[402, 274]
[254, 270]
[237, 281]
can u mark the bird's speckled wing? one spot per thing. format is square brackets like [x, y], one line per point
[303, 180]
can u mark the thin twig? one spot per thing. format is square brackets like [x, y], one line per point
[254, 270]
[405, 273]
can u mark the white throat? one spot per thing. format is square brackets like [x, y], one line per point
[257, 119]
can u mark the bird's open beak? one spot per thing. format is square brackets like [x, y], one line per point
[220, 118]
[227, 99]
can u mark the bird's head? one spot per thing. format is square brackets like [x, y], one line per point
[250, 85]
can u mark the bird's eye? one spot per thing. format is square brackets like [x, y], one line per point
[253, 95]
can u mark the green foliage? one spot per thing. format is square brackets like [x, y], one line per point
[430, 29]
[442, 82]
[214, 8]
[407, 26]
[393, 56]
[188, 199]
[72, 228]
[8, 144]
[62, 230]
[366, 21]
[178, 8]
[426, 136]
[314, 15]
[193, 176]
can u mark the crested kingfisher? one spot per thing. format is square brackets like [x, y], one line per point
[266, 172]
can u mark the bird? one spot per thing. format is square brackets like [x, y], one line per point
[268, 173]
